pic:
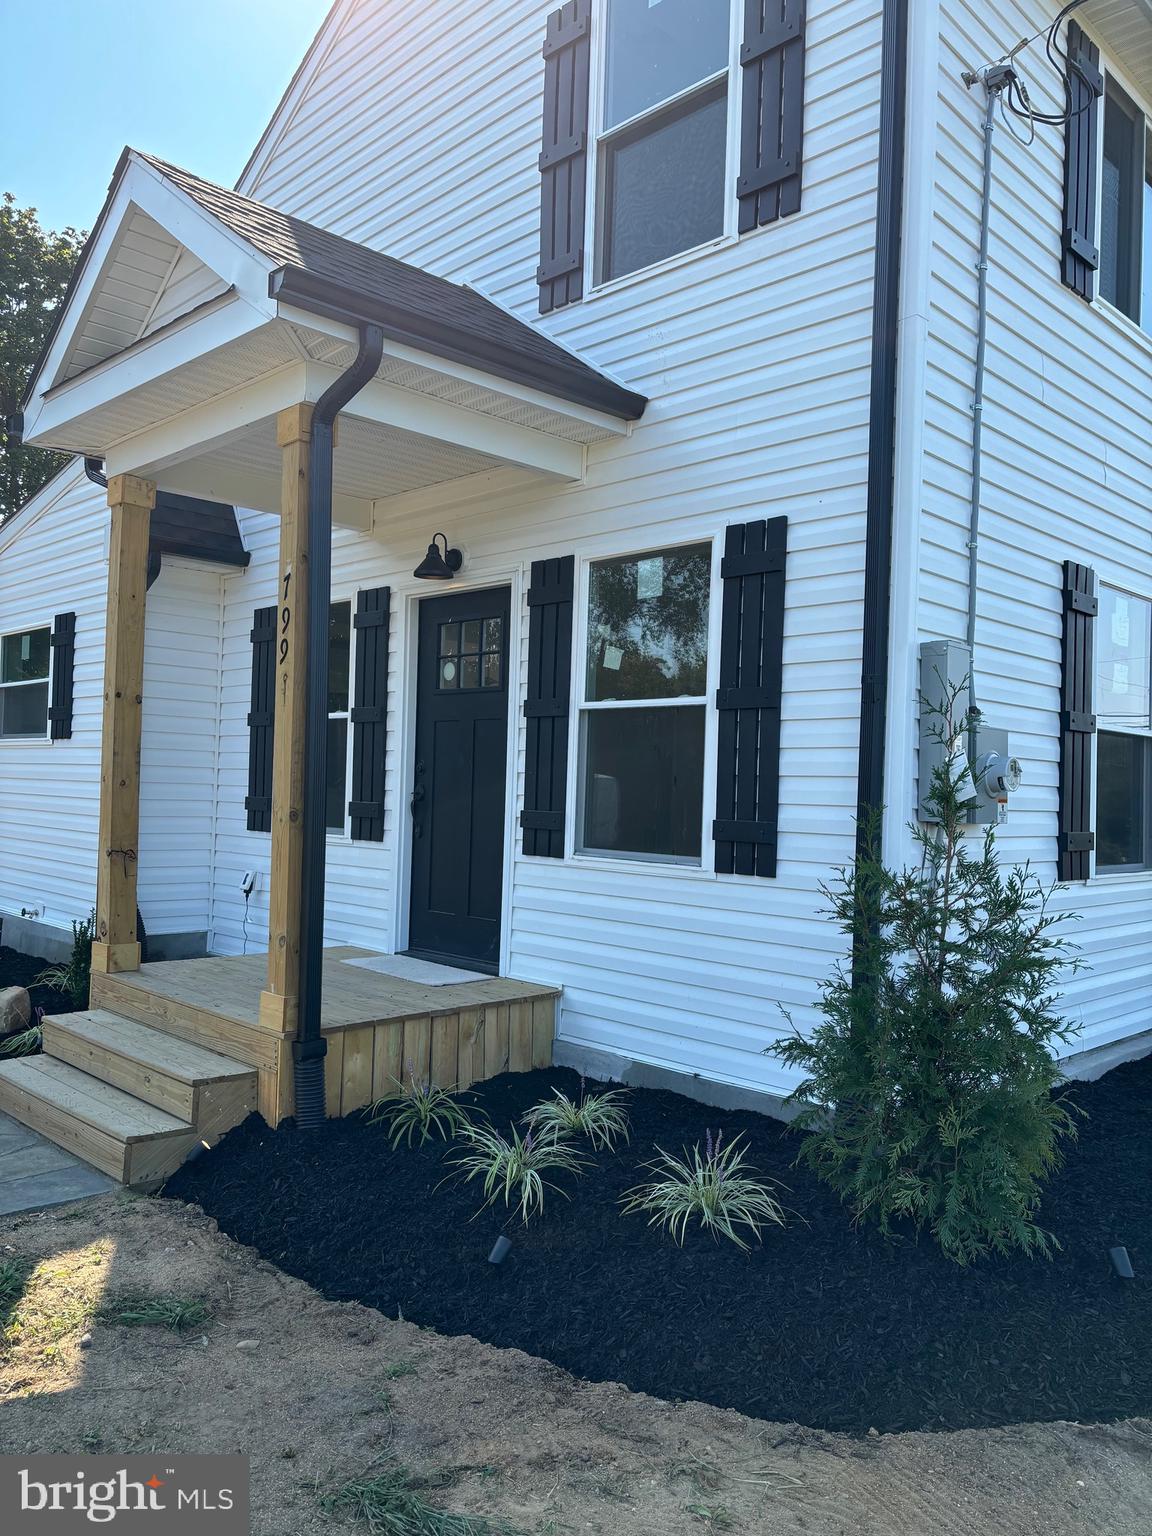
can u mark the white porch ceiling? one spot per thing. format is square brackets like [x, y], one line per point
[1124, 27]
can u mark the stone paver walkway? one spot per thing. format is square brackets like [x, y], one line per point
[35, 1173]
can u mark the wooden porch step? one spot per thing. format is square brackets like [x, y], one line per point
[170, 1073]
[132, 1141]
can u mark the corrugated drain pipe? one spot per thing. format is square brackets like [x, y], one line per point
[309, 1047]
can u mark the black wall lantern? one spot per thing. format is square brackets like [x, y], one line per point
[436, 566]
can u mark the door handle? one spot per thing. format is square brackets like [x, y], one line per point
[414, 804]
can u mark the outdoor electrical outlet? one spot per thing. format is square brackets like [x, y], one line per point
[248, 881]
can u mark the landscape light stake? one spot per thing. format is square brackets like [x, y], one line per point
[1121, 1263]
[500, 1249]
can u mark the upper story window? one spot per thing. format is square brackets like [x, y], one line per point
[25, 663]
[1124, 708]
[1125, 278]
[663, 145]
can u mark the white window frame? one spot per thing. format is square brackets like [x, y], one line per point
[598, 136]
[39, 682]
[1111, 71]
[343, 834]
[651, 862]
[1117, 726]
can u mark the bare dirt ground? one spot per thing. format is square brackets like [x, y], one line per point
[319, 1394]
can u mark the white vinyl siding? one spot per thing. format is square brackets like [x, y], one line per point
[1067, 472]
[54, 559]
[756, 357]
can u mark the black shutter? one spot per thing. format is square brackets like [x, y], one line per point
[564, 155]
[749, 696]
[547, 706]
[369, 715]
[261, 721]
[63, 675]
[772, 111]
[1081, 258]
[1077, 721]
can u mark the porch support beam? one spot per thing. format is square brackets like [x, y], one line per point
[279, 1003]
[115, 947]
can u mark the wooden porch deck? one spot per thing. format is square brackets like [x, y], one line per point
[379, 1028]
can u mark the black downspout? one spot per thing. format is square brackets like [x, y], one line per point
[309, 1047]
[870, 794]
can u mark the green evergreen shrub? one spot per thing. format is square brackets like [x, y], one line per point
[931, 1089]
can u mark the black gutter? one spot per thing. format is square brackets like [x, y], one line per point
[321, 295]
[310, 1047]
[870, 792]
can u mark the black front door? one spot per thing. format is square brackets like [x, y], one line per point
[460, 778]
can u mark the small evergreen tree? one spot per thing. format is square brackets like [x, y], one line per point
[930, 1093]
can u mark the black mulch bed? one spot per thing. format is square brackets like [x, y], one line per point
[824, 1325]
[17, 970]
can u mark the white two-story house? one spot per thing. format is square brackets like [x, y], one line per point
[663, 472]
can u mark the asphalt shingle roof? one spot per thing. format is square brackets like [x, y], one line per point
[445, 316]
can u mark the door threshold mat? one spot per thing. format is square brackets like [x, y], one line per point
[408, 968]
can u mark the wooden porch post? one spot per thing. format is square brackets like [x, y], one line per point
[279, 1003]
[115, 948]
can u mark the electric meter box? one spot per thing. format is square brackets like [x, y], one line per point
[945, 672]
[946, 695]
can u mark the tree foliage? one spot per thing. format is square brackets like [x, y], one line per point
[35, 265]
[931, 1084]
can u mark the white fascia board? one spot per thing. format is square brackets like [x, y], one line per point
[201, 428]
[524, 394]
[142, 187]
[49, 418]
[388, 406]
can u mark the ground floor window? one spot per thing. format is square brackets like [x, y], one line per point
[25, 662]
[339, 672]
[642, 711]
[1124, 751]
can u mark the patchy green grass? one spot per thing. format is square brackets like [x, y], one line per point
[399, 1369]
[175, 1312]
[392, 1504]
[714, 1516]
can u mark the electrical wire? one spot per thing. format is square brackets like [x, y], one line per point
[1015, 99]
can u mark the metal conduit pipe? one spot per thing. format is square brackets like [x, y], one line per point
[993, 85]
[309, 1047]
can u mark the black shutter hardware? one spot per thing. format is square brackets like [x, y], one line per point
[564, 155]
[772, 111]
[749, 698]
[1081, 257]
[63, 676]
[1077, 722]
[546, 707]
[369, 715]
[261, 720]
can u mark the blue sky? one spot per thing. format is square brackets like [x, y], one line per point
[193, 81]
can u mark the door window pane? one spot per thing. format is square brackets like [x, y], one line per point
[644, 781]
[648, 625]
[25, 658]
[1122, 825]
[24, 711]
[664, 184]
[657, 48]
[336, 789]
[1146, 262]
[471, 654]
[1123, 664]
[1121, 202]
[339, 647]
